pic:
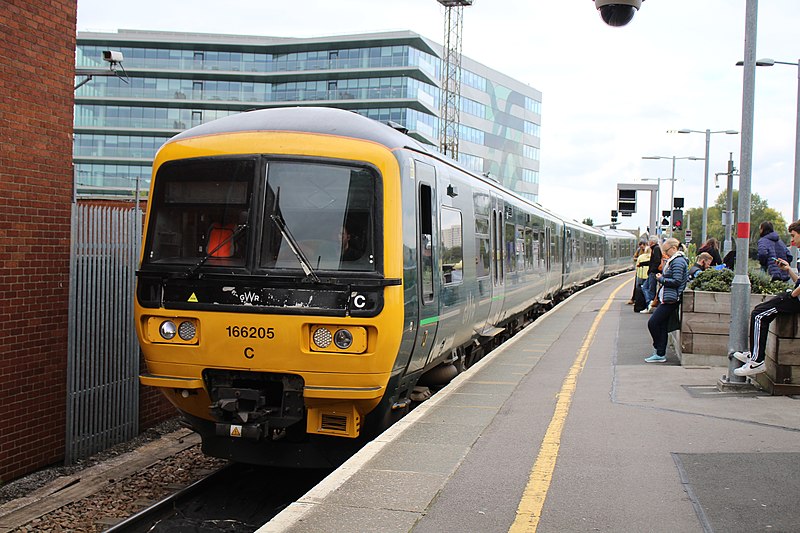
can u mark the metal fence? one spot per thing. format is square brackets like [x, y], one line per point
[103, 353]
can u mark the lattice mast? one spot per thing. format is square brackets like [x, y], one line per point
[450, 102]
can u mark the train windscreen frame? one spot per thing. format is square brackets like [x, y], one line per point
[328, 212]
[201, 212]
[204, 215]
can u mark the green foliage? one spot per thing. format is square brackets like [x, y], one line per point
[713, 281]
[588, 221]
[759, 212]
[691, 253]
[720, 281]
[761, 282]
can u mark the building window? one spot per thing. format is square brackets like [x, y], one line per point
[530, 176]
[531, 128]
[533, 105]
[531, 152]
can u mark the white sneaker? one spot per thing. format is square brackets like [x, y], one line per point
[646, 311]
[744, 357]
[750, 369]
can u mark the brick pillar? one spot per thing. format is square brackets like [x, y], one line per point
[37, 66]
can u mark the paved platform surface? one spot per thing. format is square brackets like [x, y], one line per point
[566, 428]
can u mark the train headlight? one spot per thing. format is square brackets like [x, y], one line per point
[168, 329]
[187, 330]
[322, 337]
[338, 339]
[343, 339]
[171, 330]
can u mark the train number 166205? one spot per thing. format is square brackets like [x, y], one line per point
[250, 332]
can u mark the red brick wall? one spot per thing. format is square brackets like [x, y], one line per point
[37, 61]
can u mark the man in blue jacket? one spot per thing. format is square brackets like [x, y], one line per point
[764, 313]
[771, 247]
[673, 282]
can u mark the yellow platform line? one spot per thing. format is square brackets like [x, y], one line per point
[529, 511]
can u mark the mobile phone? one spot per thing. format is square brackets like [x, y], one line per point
[774, 259]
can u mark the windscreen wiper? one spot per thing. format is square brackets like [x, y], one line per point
[298, 253]
[192, 269]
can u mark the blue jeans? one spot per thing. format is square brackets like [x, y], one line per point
[657, 325]
[649, 288]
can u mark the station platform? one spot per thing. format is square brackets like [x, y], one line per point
[566, 428]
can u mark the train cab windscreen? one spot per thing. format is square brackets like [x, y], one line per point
[327, 211]
[201, 210]
[314, 215]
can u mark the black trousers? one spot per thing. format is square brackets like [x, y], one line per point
[762, 316]
[658, 326]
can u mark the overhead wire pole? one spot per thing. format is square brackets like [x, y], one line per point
[450, 102]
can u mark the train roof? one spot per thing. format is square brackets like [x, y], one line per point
[618, 234]
[322, 120]
[334, 121]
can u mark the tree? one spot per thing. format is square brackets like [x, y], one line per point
[760, 211]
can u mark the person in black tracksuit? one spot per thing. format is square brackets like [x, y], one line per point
[764, 313]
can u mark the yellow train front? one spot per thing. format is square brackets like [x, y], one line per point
[308, 273]
[269, 299]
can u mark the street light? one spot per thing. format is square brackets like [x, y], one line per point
[767, 62]
[672, 195]
[705, 178]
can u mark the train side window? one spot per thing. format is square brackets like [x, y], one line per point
[529, 240]
[482, 209]
[426, 241]
[510, 246]
[452, 246]
[483, 259]
[520, 237]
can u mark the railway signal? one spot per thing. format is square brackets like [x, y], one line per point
[626, 201]
[677, 220]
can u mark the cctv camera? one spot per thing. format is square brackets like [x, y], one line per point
[112, 56]
[617, 12]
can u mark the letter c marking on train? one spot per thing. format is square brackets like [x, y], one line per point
[249, 353]
[359, 301]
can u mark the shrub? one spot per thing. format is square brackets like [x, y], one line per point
[720, 281]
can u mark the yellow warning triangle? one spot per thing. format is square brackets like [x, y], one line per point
[236, 431]
[192, 298]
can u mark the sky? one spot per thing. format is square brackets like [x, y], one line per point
[610, 95]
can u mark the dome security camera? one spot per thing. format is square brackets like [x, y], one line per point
[617, 12]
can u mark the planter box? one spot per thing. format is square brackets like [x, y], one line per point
[783, 357]
[705, 326]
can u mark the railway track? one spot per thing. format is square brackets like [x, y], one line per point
[235, 498]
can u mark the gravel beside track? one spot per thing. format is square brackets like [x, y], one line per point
[107, 499]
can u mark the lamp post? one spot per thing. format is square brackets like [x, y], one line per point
[705, 178]
[766, 62]
[672, 194]
[740, 287]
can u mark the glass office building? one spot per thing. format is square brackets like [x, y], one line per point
[179, 80]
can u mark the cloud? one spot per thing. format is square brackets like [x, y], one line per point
[609, 94]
